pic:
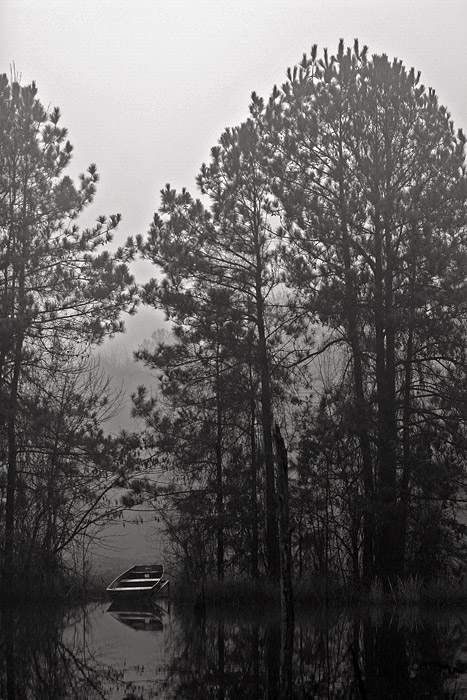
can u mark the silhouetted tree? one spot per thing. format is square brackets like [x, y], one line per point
[54, 282]
[232, 247]
[371, 178]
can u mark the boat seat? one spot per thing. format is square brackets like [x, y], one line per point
[128, 588]
[140, 580]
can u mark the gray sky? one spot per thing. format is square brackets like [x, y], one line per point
[147, 87]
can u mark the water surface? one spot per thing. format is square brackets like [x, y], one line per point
[156, 651]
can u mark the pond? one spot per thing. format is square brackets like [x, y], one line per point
[147, 651]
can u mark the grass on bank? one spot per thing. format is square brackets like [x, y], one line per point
[238, 592]
[317, 592]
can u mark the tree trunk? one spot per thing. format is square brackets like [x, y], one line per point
[10, 510]
[287, 603]
[361, 411]
[387, 568]
[406, 458]
[254, 496]
[406, 415]
[219, 474]
[272, 538]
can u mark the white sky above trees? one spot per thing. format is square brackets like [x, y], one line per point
[146, 87]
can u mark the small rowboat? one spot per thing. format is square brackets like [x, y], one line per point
[138, 581]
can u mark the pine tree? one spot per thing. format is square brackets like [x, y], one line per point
[231, 246]
[371, 178]
[54, 281]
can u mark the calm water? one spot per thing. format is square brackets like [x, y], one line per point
[159, 652]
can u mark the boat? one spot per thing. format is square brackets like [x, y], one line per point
[139, 580]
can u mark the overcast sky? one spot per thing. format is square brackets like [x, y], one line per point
[146, 87]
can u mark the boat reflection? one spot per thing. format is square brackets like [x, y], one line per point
[141, 615]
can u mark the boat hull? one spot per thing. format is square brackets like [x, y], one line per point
[139, 581]
[139, 592]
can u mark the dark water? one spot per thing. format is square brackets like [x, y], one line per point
[159, 652]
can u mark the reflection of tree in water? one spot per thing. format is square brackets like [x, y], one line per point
[219, 657]
[385, 655]
[233, 658]
[37, 664]
[388, 656]
[411, 655]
